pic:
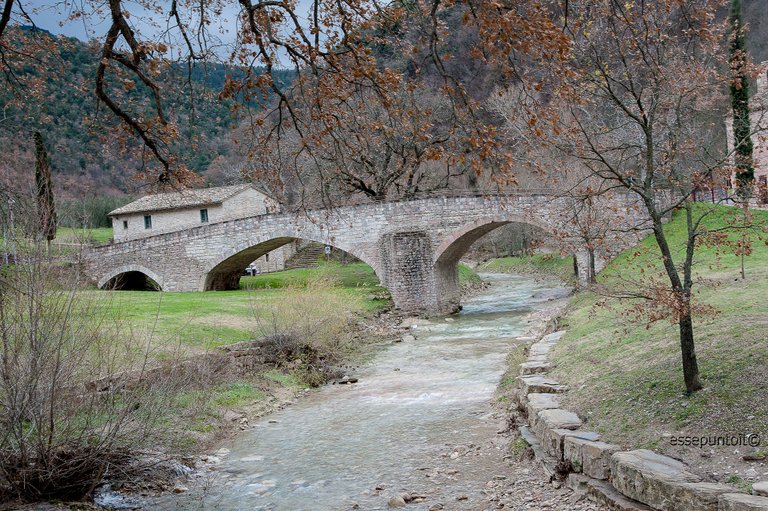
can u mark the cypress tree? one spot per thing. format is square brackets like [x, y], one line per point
[745, 172]
[45, 207]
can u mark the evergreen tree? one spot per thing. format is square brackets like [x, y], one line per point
[745, 172]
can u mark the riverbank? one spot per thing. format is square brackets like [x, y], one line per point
[419, 425]
[538, 265]
[626, 377]
[211, 382]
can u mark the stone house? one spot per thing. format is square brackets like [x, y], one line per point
[759, 123]
[168, 212]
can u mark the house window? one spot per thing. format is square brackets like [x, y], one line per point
[203, 216]
[125, 224]
[147, 221]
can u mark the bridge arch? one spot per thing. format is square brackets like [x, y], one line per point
[131, 276]
[224, 273]
[455, 245]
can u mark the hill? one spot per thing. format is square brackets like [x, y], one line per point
[85, 160]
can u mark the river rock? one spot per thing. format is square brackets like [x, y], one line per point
[414, 322]
[662, 482]
[232, 416]
[742, 502]
[760, 488]
[408, 338]
[396, 502]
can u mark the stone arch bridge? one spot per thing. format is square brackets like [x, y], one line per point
[413, 245]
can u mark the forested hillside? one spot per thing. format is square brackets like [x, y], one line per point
[87, 159]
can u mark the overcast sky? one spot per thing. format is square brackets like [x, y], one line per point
[54, 17]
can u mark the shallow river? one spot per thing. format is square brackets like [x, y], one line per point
[418, 421]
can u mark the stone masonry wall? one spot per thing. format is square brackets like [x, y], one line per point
[412, 246]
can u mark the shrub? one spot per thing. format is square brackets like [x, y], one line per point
[307, 331]
[67, 411]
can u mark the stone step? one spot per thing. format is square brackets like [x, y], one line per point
[556, 418]
[603, 493]
[540, 385]
[538, 402]
[554, 439]
[662, 482]
[539, 348]
[759, 488]
[547, 462]
[593, 458]
[529, 368]
[741, 502]
[528, 436]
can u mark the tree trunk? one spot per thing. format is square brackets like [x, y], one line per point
[687, 345]
[688, 349]
[592, 277]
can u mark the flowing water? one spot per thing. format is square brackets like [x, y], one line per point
[418, 421]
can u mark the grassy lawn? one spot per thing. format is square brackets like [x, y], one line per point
[626, 378]
[550, 264]
[201, 321]
[99, 236]
[357, 275]
[321, 305]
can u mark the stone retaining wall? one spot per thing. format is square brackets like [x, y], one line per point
[636, 480]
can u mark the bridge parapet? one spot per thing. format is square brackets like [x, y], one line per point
[413, 245]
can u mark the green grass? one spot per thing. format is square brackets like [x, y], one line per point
[284, 379]
[626, 376]
[201, 321]
[236, 394]
[98, 236]
[467, 275]
[356, 275]
[549, 264]
[709, 261]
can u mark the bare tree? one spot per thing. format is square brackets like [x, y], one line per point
[640, 89]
